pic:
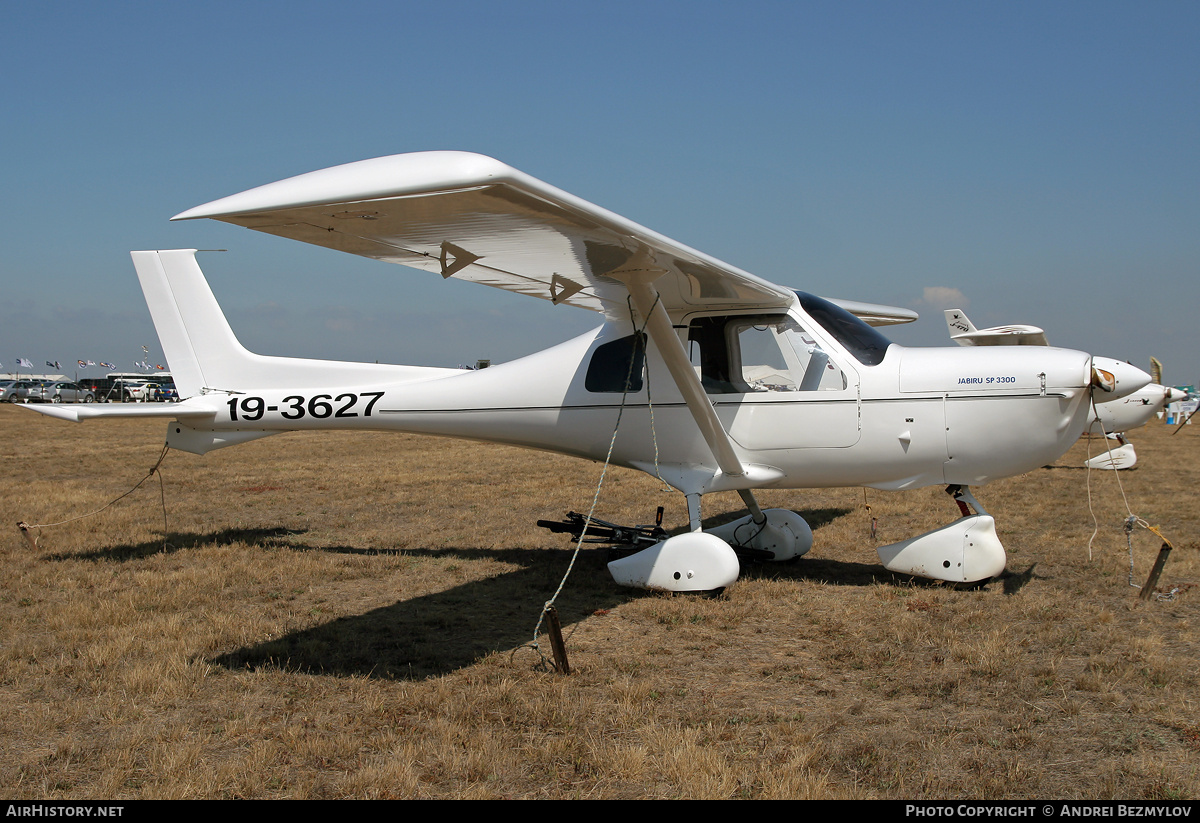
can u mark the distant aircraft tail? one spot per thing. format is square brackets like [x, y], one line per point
[1156, 370]
[205, 355]
[964, 333]
[958, 323]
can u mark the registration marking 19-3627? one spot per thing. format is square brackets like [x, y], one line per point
[295, 406]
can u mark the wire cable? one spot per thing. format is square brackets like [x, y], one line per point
[549, 604]
[162, 493]
[1131, 519]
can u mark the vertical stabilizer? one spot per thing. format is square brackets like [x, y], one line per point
[171, 279]
[958, 323]
[204, 354]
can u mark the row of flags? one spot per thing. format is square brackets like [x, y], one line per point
[26, 363]
[144, 365]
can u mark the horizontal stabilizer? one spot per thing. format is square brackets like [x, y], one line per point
[87, 411]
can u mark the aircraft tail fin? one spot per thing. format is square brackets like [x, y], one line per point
[204, 354]
[958, 323]
[170, 280]
[1156, 370]
[964, 333]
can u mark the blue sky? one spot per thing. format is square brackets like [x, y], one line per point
[1035, 162]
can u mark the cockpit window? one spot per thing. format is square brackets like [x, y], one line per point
[866, 344]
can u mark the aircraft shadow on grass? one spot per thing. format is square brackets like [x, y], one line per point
[181, 541]
[438, 633]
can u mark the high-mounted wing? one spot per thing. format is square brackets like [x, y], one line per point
[874, 314]
[471, 217]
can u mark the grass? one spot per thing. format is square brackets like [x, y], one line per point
[350, 615]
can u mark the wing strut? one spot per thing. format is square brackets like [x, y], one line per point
[638, 275]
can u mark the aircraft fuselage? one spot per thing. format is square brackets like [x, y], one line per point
[917, 417]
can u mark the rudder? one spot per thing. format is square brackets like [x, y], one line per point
[163, 275]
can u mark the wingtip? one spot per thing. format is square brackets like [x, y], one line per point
[389, 176]
[59, 411]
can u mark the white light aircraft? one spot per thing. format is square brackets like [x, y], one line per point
[727, 382]
[1111, 418]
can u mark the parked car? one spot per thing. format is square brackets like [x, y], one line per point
[15, 391]
[109, 389]
[64, 391]
[29, 391]
[153, 392]
[125, 390]
[142, 392]
[117, 387]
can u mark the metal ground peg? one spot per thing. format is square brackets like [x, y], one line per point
[1147, 592]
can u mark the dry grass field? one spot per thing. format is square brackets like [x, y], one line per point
[350, 615]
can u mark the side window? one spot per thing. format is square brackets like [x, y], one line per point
[709, 353]
[763, 364]
[744, 354]
[615, 362]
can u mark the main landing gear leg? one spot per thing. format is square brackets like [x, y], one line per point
[965, 551]
[693, 504]
[707, 560]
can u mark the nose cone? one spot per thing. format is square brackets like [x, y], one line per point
[1116, 378]
[1176, 396]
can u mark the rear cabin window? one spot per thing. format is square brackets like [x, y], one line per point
[617, 365]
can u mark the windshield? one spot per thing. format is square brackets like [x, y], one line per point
[866, 344]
